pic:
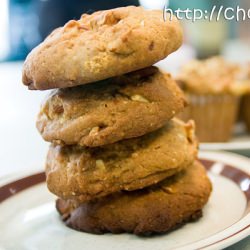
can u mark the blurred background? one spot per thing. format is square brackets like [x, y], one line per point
[25, 23]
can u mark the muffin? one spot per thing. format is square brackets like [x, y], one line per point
[245, 103]
[213, 91]
[246, 111]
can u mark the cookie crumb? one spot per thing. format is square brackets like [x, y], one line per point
[100, 164]
[94, 131]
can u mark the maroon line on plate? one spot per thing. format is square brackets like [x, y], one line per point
[207, 163]
[228, 237]
[15, 187]
[241, 178]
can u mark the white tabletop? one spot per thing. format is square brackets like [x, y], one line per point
[21, 146]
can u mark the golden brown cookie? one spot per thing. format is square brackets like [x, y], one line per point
[84, 174]
[111, 110]
[156, 209]
[102, 45]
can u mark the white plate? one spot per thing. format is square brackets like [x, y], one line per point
[29, 220]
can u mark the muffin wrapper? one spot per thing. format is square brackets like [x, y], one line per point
[214, 116]
[246, 111]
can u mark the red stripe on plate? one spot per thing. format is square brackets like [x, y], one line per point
[228, 237]
[15, 187]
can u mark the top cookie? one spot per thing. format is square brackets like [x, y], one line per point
[102, 45]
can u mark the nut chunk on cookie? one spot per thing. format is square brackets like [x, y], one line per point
[102, 45]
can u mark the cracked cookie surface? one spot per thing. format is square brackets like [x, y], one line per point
[102, 45]
[111, 110]
[156, 209]
[84, 174]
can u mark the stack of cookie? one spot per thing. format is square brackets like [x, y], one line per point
[119, 161]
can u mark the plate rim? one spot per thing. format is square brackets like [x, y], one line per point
[235, 235]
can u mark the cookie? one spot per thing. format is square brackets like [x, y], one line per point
[85, 174]
[111, 110]
[102, 45]
[156, 209]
